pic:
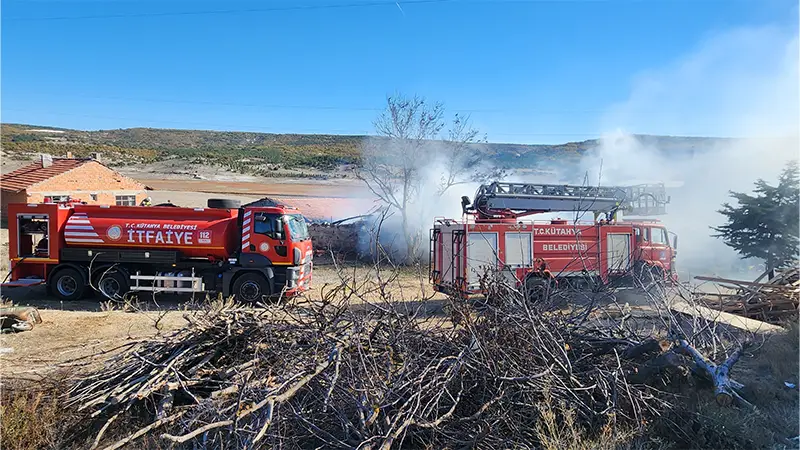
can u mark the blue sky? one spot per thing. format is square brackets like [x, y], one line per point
[526, 71]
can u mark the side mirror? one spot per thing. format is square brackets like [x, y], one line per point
[675, 242]
[465, 202]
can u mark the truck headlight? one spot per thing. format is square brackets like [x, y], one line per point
[297, 256]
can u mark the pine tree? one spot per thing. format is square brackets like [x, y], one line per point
[766, 225]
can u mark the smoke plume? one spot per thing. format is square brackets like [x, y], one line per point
[430, 197]
[741, 84]
[738, 88]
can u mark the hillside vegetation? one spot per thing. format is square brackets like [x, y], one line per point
[263, 153]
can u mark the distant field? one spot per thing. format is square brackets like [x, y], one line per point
[319, 189]
[154, 153]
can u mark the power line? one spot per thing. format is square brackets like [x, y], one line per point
[229, 11]
[244, 105]
[331, 107]
[329, 6]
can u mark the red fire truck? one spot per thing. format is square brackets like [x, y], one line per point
[535, 254]
[253, 251]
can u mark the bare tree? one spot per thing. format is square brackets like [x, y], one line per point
[409, 143]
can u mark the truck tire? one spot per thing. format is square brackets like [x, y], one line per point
[251, 287]
[67, 284]
[223, 203]
[537, 289]
[113, 285]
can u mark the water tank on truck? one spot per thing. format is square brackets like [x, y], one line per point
[195, 232]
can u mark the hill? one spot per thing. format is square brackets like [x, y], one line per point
[267, 154]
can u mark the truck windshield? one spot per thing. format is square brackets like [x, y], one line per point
[297, 227]
[659, 236]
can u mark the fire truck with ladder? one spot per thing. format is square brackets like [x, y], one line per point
[254, 251]
[538, 255]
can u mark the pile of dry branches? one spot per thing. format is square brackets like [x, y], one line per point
[773, 301]
[321, 374]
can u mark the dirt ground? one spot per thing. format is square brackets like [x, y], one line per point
[87, 327]
[91, 326]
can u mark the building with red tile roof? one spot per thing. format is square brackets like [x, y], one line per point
[59, 178]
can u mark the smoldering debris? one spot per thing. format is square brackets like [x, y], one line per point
[336, 240]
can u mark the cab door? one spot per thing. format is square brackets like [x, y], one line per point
[268, 237]
[659, 252]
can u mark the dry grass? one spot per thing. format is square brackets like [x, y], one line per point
[30, 417]
[557, 428]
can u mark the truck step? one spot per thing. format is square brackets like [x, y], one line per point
[165, 283]
[25, 282]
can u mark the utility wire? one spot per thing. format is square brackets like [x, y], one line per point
[330, 107]
[229, 11]
[396, 4]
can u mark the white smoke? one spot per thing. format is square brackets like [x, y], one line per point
[740, 86]
[426, 204]
[743, 84]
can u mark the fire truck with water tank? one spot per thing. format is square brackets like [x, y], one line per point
[537, 254]
[254, 251]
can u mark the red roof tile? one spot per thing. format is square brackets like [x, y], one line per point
[29, 175]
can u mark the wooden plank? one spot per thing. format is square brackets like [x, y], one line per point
[743, 323]
[777, 287]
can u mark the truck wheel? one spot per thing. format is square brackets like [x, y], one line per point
[251, 287]
[537, 289]
[223, 203]
[67, 284]
[113, 285]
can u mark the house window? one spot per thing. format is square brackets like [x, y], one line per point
[126, 200]
[57, 198]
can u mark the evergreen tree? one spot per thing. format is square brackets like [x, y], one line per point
[766, 225]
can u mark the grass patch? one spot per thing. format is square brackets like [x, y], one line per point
[30, 418]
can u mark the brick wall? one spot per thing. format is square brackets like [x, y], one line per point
[10, 197]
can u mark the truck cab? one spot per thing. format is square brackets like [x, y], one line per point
[276, 239]
[653, 249]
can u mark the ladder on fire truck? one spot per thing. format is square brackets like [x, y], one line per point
[521, 199]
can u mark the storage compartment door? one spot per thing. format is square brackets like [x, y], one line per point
[619, 252]
[446, 267]
[481, 255]
[519, 248]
